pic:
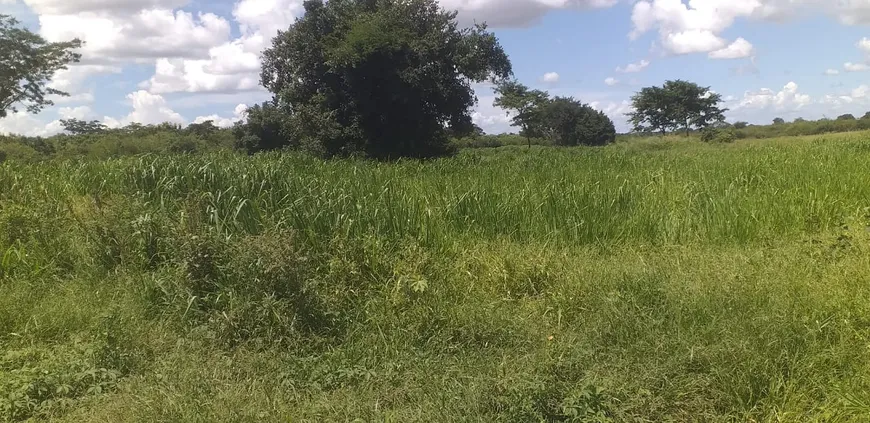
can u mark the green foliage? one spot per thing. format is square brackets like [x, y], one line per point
[570, 122]
[778, 121]
[676, 104]
[740, 125]
[266, 128]
[381, 78]
[563, 120]
[847, 116]
[94, 141]
[653, 280]
[528, 107]
[80, 127]
[27, 62]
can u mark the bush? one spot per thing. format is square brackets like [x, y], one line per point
[718, 134]
[571, 123]
[267, 129]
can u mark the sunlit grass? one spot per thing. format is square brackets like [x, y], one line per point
[661, 280]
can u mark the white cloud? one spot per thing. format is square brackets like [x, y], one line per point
[832, 72]
[855, 67]
[550, 77]
[231, 66]
[23, 123]
[193, 76]
[633, 67]
[692, 41]
[861, 92]
[515, 13]
[739, 49]
[611, 81]
[492, 119]
[864, 45]
[787, 99]
[80, 112]
[147, 34]
[239, 114]
[147, 109]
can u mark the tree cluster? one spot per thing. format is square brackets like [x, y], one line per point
[563, 120]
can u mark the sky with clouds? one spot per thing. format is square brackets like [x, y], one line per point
[185, 61]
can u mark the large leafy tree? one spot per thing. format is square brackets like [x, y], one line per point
[676, 104]
[27, 62]
[383, 77]
[526, 105]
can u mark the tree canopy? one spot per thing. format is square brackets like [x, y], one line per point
[27, 62]
[386, 78]
[82, 127]
[527, 107]
[676, 104]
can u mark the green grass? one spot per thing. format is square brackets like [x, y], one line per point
[651, 281]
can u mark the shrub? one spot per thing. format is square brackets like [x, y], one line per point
[571, 122]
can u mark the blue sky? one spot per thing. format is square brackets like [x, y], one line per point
[150, 61]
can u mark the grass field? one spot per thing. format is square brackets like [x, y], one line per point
[652, 281]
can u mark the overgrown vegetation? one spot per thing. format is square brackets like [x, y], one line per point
[658, 280]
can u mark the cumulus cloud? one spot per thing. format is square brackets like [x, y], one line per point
[231, 66]
[194, 76]
[23, 123]
[148, 109]
[239, 114]
[633, 67]
[739, 49]
[143, 36]
[550, 77]
[787, 99]
[611, 81]
[832, 72]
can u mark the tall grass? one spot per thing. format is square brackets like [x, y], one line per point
[646, 281]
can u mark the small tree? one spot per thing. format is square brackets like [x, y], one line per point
[27, 62]
[570, 122]
[778, 121]
[740, 125]
[527, 106]
[866, 116]
[847, 116]
[676, 104]
[82, 127]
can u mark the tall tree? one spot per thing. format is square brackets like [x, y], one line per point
[27, 62]
[381, 77]
[676, 104]
[527, 107]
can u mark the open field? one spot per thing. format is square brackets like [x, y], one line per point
[651, 281]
